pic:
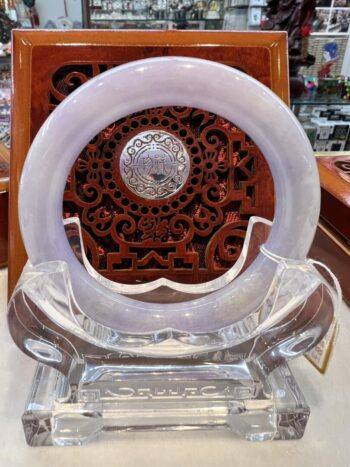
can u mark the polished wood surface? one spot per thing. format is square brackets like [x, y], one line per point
[4, 168]
[4, 187]
[3, 228]
[331, 249]
[332, 179]
[331, 244]
[335, 192]
[37, 55]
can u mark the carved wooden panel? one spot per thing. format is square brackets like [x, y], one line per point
[194, 234]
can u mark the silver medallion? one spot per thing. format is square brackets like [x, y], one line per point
[154, 164]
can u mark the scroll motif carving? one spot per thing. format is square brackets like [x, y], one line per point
[154, 164]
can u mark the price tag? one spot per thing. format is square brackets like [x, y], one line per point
[320, 355]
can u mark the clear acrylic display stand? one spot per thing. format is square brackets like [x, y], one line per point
[92, 379]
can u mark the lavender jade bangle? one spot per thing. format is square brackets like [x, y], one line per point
[170, 81]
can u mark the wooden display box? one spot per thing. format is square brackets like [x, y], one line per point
[332, 240]
[49, 65]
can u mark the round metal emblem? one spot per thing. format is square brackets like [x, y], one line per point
[154, 164]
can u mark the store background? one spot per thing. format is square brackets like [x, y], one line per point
[53, 10]
[326, 439]
[327, 27]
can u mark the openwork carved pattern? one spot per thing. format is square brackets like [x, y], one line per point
[192, 233]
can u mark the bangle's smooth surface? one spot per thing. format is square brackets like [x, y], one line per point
[170, 81]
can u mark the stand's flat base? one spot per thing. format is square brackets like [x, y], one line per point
[234, 396]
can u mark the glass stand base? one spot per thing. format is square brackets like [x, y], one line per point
[100, 398]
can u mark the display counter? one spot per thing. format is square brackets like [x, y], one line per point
[331, 244]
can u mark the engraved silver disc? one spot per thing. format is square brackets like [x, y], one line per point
[154, 164]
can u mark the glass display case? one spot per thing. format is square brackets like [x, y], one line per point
[331, 17]
[326, 121]
[174, 14]
[155, 14]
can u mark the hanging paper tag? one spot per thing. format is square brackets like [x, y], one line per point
[320, 355]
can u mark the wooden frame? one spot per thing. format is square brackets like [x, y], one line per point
[4, 188]
[36, 54]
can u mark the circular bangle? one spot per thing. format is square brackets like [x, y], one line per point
[170, 81]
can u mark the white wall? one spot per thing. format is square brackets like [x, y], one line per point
[346, 63]
[53, 9]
